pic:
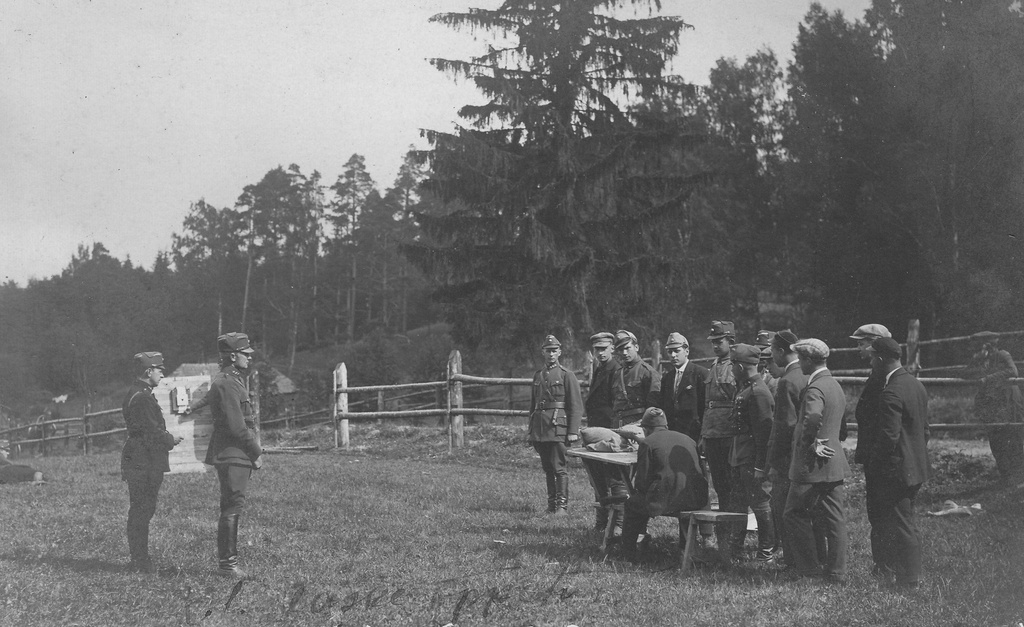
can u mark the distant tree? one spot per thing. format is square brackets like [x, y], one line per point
[351, 190]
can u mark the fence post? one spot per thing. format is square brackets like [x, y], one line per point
[340, 403]
[913, 350]
[509, 390]
[380, 400]
[85, 433]
[42, 436]
[456, 433]
[656, 355]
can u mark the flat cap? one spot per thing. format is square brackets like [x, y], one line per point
[746, 354]
[624, 337]
[676, 339]
[764, 338]
[234, 343]
[550, 341]
[602, 339]
[886, 347]
[654, 417]
[870, 331]
[812, 348]
[785, 339]
[149, 360]
[721, 328]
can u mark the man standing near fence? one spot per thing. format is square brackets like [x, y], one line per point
[234, 449]
[896, 466]
[639, 381]
[866, 412]
[718, 428]
[556, 409]
[999, 401]
[682, 388]
[144, 458]
[600, 412]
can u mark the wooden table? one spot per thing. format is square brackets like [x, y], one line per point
[617, 465]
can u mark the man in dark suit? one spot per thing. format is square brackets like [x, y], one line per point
[866, 412]
[682, 389]
[817, 469]
[896, 466]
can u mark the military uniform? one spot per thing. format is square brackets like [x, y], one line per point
[143, 458]
[604, 388]
[764, 342]
[639, 382]
[556, 409]
[718, 428]
[997, 401]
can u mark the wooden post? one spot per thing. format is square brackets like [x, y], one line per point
[456, 432]
[42, 436]
[380, 400]
[510, 395]
[656, 355]
[85, 434]
[913, 350]
[340, 404]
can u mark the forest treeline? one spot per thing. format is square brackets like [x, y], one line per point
[877, 177]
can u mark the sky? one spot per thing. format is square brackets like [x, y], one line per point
[116, 115]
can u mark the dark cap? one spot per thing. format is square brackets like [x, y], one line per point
[234, 343]
[886, 347]
[602, 339]
[624, 337]
[551, 341]
[785, 339]
[676, 339]
[149, 360]
[764, 338]
[721, 328]
[654, 417]
[746, 354]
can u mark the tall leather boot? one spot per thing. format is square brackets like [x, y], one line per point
[551, 493]
[138, 546]
[561, 495]
[227, 547]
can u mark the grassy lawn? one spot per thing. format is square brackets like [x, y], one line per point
[398, 533]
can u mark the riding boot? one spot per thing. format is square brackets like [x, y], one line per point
[138, 547]
[551, 493]
[561, 495]
[227, 547]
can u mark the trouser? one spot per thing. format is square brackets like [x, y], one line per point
[634, 522]
[748, 492]
[607, 481]
[1007, 444]
[233, 482]
[552, 460]
[716, 451]
[804, 535]
[895, 539]
[143, 488]
[780, 490]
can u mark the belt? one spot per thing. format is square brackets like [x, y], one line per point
[717, 404]
[636, 411]
[551, 405]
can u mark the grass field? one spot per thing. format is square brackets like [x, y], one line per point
[399, 533]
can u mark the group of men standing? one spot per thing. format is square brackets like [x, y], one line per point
[772, 442]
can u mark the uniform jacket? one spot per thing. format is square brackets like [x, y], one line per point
[148, 440]
[233, 441]
[684, 406]
[641, 388]
[822, 406]
[556, 406]
[604, 388]
[720, 392]
[668, 474]
[899, 448]
[787, 405]
[866, 414]
[997, 400]
[752, 416]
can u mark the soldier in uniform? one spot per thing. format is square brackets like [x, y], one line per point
[556, 408]
[144, 456]
[718, 428]
[234, 448]
[682, 389]
[766, 367]
[752, 418]
[639, 381]
[999, 401]
[600, 412]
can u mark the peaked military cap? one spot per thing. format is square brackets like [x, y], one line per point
[785, 339]
[813, 348]
[676, 339]
[721, 328]
[551, 341]
[234, 343]
[887, 347]
[149, 360]
[654, 417]
[764, 338]
[602, 339]
[870, 331]
[746, 354]
[623, 337]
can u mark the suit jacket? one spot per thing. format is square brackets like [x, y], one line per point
[787, 407]
[899, 448]
[684, 407]
[604, 389]
[556, 406]
[669, 476]
[822, 406]
[866, 414]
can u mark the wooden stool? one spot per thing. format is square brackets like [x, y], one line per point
[696, 517]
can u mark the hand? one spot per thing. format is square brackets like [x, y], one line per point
[178, 440]
[760, 474]
[188, 410]
[257, 463]
[573, 437]
[821, 450]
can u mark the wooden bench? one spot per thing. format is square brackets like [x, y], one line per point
[696, 517]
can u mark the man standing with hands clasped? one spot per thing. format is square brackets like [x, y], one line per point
[817, 470]
[556, 408]
[896, 466]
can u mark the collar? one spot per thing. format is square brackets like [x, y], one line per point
[146, 385]
[888, 376]
[814, 374]
[550, 366]
[683, 367]
[795, 362]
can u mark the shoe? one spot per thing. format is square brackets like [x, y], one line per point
[765, 555]
[145, 566]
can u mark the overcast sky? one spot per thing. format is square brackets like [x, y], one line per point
[116, 114]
